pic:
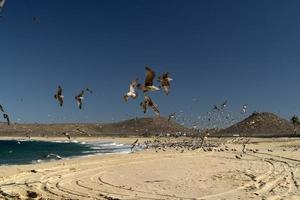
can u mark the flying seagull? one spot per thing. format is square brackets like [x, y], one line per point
[164, 80]
[89, 90]
[132, 93]
[244, 108]
[171, 116]
[134, 144]
[67, 135]
[5, 116]
[79, 99]
[223, 105]
[59, 97]
[216, 108]
[35, 19]
[150, 75]
[148, 102]
[2, 2]
[1, 108]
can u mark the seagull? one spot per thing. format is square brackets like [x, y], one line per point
[35, 19]
[171, 116]
[5, 116]
[132, 93]
[148, 102]
[164, 80]
[59, 97]
[134, 144]
[2, 2]
[89, 90]
[244, 108]
[1, 108]
[150, 75]
[223, 105]
[79, 99]
[216, 108]
[67, 135]
[52, 155]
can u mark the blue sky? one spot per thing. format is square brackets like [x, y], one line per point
[242, 51]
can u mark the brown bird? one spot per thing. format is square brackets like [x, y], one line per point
[150, 75]
[5, 116]
[148, 102]
[164, 80]
[79, 98]
[132, 93]
[67, 135]
[59, 97]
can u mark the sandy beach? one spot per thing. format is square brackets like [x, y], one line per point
[273, 172]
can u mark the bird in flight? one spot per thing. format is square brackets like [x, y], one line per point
[89, 90]
[148, 102]
[216, 108]
[134, 144]
[223, 105]
[171, 116]
[79, 98]
[1, 108]
[67, 135]
[164, 80]
[5, 116]
[244, 108]
[58, 96]
[150, 75]
[2, 2]
[132, 93]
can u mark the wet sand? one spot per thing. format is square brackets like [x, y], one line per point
[272, 172]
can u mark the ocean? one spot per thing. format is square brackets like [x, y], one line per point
[14, 152]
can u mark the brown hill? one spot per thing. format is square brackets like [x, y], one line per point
[132, 127]
[144, 126]
[259, 125]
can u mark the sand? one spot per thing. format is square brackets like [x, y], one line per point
[271, 173]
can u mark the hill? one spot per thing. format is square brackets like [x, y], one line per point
[260, 125]
[132, 127]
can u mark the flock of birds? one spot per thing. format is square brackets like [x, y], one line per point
[79, 98]
[147, 87]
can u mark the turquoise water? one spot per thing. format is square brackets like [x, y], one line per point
[27, 152]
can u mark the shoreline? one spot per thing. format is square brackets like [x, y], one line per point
[169, 174]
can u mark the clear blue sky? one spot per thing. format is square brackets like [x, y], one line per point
[243, 51]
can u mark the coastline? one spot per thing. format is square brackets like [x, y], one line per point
[161, 175]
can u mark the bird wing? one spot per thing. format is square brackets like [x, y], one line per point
[5, 116]
[1, 108]
[2, 2]
[79, 101]
[150, 75]
[59, 91]
[153, 106]
[61, 100]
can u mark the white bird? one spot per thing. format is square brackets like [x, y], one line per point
[132, 93]
[2, 2]
[79, 98]
[58, 96]
[244, 108]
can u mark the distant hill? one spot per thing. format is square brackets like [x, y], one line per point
[260, 125]
[132, 127]
[143, 126]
